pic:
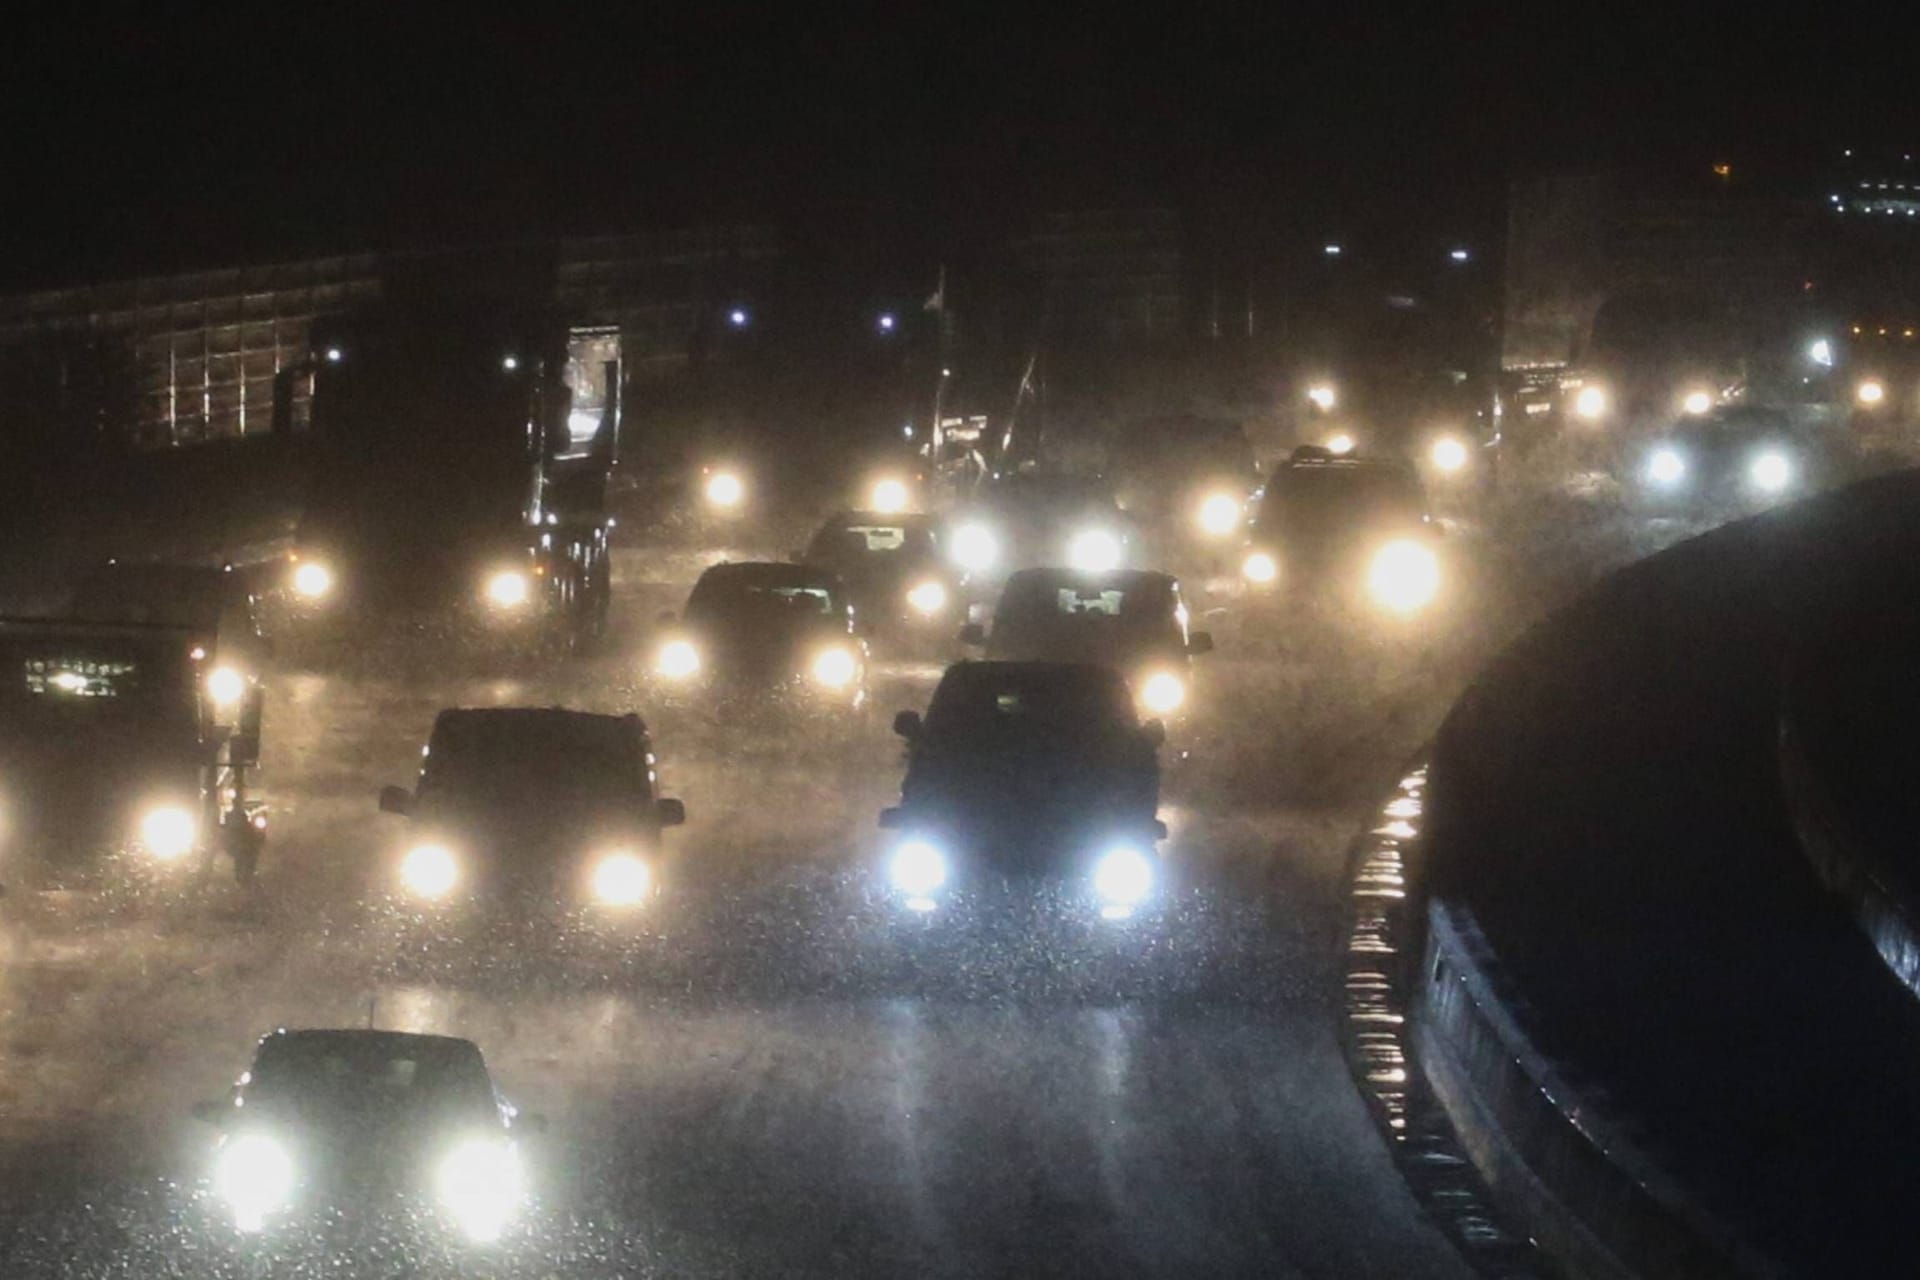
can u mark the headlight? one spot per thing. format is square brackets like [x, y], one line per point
[481, 1186]
[890, 497]
[974, 547]
[1448, 454]
[168, 831]
[254, 1175]
[1696, 402]
[1094, 551]
[1870, 393]
[1259, 568]
[678, 660]
[1590, 404]
[1404, 576]
[724, 490]
[1163, 693]
[312, 580]
[1665, 467]
[1122, 879]
[226, 686]
[918, 871]
[1771, 471]
[621, 879]
[835, 668]
[508, 589]
[1219, 514]
[429, 871]
[929, 597]
[1340, 442]
[1323, 397]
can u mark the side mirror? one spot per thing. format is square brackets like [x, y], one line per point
[907, 725]
[670, 813]
[396, 800]
[892, 820]
[211, 1112]
[1154, 734]
[1200, 642]
[1159, 829]
[973, 634]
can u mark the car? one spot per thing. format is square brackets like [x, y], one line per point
[1191, 475]
[1025, 772]
[1342, 529]
[1132, 620]
[126, 745]
[1734, 457]
[537, 809]
[1026, 519]
[904, 593]
[366, 1124]
[763, 637]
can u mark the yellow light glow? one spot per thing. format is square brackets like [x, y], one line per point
[890, 497]
[225, 686]
[313, 580]
[1697, 402]
[1448, 454]
[168, 831]
[621, 879]
[1323, 397]
[508, 589]
[1163, 693]
[1340, 442]
[1870, 393]
[724, 490]
[678, 660]
[429, 871]
[1259, 568]
[929, 597]
[1219, 514]
[835, 668]
[1590, 404]
[1404, 576]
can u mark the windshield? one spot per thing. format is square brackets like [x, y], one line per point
[331, 1079]
[731, 599]
[1032, 608]
[532, 764]
[984, 702]
[1328, 499]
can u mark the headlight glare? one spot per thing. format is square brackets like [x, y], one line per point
[1771, 471]
[254, 1175]
[1094, 551]
[226, 686]
[1259, 568]
[481, 1186]
[621, 879]
[1123, 877]
[1404, 576]
[1870, 393]
[1448, 454]
[1219, 514]
[1590, 404]
[835, 668]
[312, 580]
[678, 660]
[508, 589]
[1696, 402]
[1340, 442]
[890, 496]
[168, 831]
[725, 490]
[1163, 693]
[1666, 467]
[975, 548]
[929, 597]
[429, 871]
[918, 868]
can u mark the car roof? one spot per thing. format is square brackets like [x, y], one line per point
[770, 574]
[1050, 673]
[1123, 579]
[321, 1037]
[903, 519]
[537, 720]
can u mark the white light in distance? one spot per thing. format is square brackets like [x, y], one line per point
[1163, 693]
[1448, 454]
[508, 589]
[621, 879]
[225, 686]
[1404, 576]
[1340, 443]
[678, 660]
[1094, 551]
[724, 490]
[429, 871]
[1323, 397]
[974, 547]
[1697, 402]
[254, 1175]
[929, 597]
[1123, 877]
[1771, 471]
[918, 868]
[835, 668]
[890, 497]
[481, 1186]
[1590, 404]
[313, 580]
[168, 832]
[1219, 514]
[1870, 393]
[1259, 568]
[1821, 353]
[1666, 466]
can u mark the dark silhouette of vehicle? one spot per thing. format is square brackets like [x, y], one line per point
[905, 594]
[1027, 519]
[1730, 459]
[1189, 475]
[534, 809]
[365, 1128]
[1023, 772]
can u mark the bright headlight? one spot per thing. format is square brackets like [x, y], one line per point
[621, 879]
[508, 589]
[1590, 404]
[226, 686]
[1219, 514]
[168, 832]
[312, 580]
[1123, 877]
[254, 1175]
[835, 667]
[1870, 393]
[1771, 471]
[429, 871]
[890, 496]
[1323, 397]
[1404, 576]
[1259, 568]
[1448, 454]
[929, 597]
[1340, 442]
[1163, 693]
[975, 548]
[1696, 402]
[1094, 551]
[918, 869]
[481, 1186]
[1666, 467]
[678, 660]
[724, 490]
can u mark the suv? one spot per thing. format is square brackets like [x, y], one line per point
[1022, 771]
[1131, 620]
[345, 1122]
[1338, 528]
[902, 590]
[1032, 518]
[538, 806]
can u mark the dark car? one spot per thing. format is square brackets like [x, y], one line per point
[902, 588]
[1030, 518]
[766, 637]
[1328, 527]
[367, 1125]
[1022, 772]
[1734, 457]
[1131, 620]
[539, 808]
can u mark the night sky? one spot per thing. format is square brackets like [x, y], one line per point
[153, 142]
